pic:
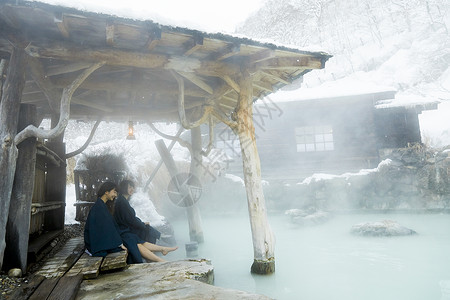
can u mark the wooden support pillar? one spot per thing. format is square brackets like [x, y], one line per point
[17, 229]
[56, 183]
[263, 238]
[3, 68]
[194, 217]
[195, 230]
[9, 116]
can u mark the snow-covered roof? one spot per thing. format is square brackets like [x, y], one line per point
[415, 102]
[385, 97]
[331, 89]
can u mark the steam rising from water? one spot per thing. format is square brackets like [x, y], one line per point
[324, 261]
[327, 262]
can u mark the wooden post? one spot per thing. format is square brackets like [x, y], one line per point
[263, 238]
[17, 229]
[194, 217]
[56, 183]
[9, 116]
[3, 68]
[195, 230]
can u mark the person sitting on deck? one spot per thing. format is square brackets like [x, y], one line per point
[101, 232]
[127, 220]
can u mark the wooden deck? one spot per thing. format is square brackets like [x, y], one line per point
[73, 275]
[60, 277]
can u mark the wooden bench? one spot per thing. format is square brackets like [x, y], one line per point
[60, 277]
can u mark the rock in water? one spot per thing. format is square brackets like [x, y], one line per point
[383, 228]
[15, 273]
[308, 217]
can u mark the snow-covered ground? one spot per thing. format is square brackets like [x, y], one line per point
[376, 45]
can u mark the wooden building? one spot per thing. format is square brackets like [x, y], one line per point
[62, 63]
[333, 135]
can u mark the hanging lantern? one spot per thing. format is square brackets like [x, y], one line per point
[130, 135]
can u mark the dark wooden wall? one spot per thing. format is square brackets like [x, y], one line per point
[397, 128]
[359, 131]
[354, 137]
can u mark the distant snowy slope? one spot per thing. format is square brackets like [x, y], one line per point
[402, 45]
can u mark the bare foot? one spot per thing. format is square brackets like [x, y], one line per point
[166, 250]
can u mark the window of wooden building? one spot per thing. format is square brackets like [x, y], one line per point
[314, 138]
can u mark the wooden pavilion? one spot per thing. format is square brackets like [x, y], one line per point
[62, 63]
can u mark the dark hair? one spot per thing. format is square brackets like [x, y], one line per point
[106, 187]
[123, 186]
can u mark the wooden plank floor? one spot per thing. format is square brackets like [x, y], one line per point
[87, 266]
[62, 261]
[67, 288]
[60, 277]
[35, 247]
[113, 261]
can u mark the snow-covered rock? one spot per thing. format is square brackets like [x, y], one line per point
[383, 228]
[307, 217]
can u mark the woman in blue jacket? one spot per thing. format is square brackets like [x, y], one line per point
[125, 216]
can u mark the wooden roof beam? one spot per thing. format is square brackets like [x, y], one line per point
[289, 63]
[61, 24]
[230, 98]
[229, 51]
[44, 83]
[154, 37]
[261, 56]
[91, 104]
[193, 45]
[145, 113]
[276, 77]
[31, 100]
[32, 92]
[63, 69]
[231, 82]
[120, 114]
[219, 92]
[197, 81]
[120, 86]
[132, 59]
[227, 106]
[81, 100]
[263, 86]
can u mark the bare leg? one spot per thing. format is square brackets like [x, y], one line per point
[157, 248]
[149, 255]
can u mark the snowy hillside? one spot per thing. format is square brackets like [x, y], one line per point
[402, 45]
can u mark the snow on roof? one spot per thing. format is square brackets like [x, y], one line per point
[409, 101]
[143, 11]
[133, 9]
[351, 87]
[330, 89]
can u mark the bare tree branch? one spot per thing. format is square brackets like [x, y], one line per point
[211, 137]
[33, 131]
[88, 141]
[172, 138]
[181, 110]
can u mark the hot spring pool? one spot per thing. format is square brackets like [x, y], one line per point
[327, 262]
